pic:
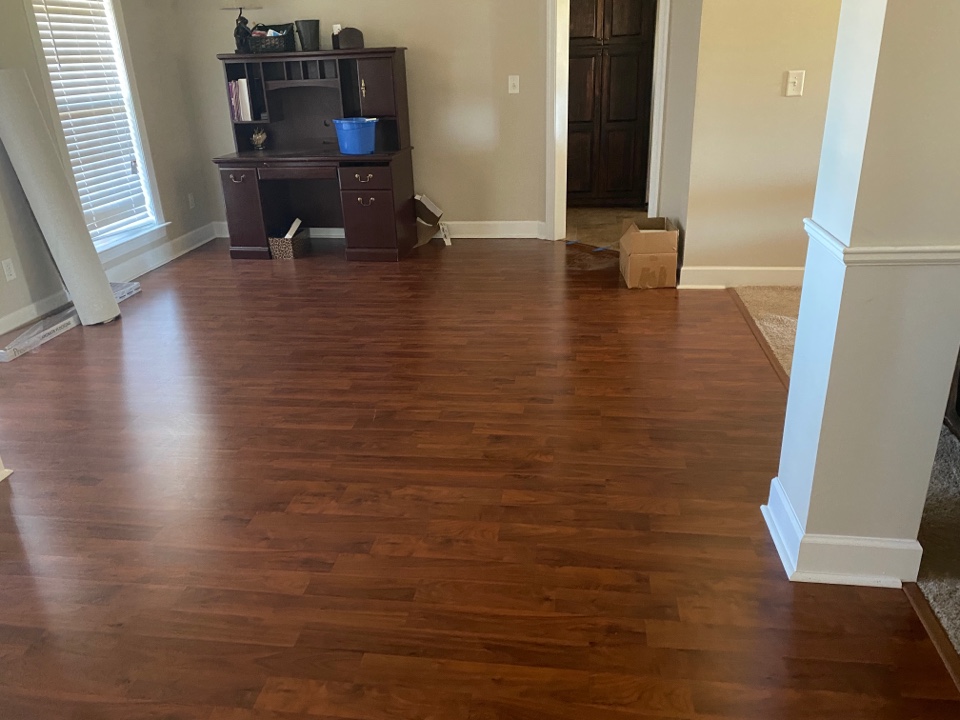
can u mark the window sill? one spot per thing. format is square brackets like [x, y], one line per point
[126, 245]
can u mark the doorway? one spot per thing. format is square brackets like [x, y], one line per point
[609, 105]
[569, 22]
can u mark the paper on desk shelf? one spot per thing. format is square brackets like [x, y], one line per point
[293, 229]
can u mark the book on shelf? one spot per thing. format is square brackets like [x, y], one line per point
[246, 107]
[241, 108]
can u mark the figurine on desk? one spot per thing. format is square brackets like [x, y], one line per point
[242, 34]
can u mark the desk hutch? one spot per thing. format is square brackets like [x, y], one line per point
[301, 173]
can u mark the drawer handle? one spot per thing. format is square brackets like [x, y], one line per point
[369, 178]
[233, 179]
[363, 87]
[366, 204]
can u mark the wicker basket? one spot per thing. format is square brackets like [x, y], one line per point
[290, 248]
[282, 44]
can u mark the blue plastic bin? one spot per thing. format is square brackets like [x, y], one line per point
[357, 136]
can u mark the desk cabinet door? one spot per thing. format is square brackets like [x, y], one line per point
[369, 219]
[241, 192]
[377, 97]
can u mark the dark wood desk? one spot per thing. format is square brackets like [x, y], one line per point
[370, 197]
[295, 97]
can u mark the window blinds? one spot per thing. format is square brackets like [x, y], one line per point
[92, 93]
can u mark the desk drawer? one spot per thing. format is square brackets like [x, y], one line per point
[369, 219]
[298, 173]
[366, 178]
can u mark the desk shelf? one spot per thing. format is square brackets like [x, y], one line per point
[296, 97]
[283, 84]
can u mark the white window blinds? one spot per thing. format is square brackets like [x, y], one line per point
[83, 54]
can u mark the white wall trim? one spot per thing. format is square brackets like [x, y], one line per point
[824, 237]
[882, 255]
[784, 525]
[713, 278]
[120, 249]
[658, 126]
[918, 255]
[140, 263]
[221, 229]
[837, 559]
[31, 312]
[558, 102]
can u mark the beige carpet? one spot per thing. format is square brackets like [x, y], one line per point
[775, 311]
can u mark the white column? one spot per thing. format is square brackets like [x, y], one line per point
[879, 327]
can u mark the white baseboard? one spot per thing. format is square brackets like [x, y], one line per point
[125, 270]
[495, 230]
[458, 229]
[713, 278]
[837, 559]
[327, 233]
[33, 311]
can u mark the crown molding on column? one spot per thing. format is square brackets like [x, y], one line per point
[882, 255]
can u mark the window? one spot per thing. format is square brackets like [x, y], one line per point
[81, 46]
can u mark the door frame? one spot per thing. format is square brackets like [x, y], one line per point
[558, 99]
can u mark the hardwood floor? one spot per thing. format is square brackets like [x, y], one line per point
[473, 486]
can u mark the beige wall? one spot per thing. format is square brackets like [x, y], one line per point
[169, 125]
[755, 152]
[679, 105]
[20, 238]
[913, 129]
[479, 152]
[170, 113]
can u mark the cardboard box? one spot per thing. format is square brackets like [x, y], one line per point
[428, 219]
[648, 253]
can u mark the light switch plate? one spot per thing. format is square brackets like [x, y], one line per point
[9, 271]
[793, 86]
[513, 84]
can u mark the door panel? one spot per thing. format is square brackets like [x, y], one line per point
[617, 160]
[622, 87]
[624, 18]
[580, 167]
[583, 87]
[585, 19]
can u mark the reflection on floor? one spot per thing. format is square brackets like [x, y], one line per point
[473, 485]
[599, 227]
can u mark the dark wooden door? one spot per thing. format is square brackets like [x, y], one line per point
[611, 78]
